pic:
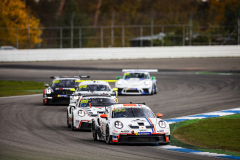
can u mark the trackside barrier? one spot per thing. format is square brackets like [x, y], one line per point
[118, 53]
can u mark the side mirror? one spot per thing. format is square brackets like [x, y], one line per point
[159, 115]
[153, 78]
[46, 85]
[103, 116]
[118, 77]
[115, 89]
[90, 105]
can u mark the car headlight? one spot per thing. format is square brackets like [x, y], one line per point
[162, 124]
[119, 82]
[75, 97]
[81, 113]
[146, 82]
[118, 124]
[49, 90]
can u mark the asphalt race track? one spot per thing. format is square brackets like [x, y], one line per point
[30, 130]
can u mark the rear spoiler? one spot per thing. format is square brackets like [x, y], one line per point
[84, 76]
[99, 80]
[139, 70]
[54, 77]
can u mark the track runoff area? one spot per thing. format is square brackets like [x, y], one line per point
[200, 116]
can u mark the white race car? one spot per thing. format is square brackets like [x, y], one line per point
[130, 123]
[80, 114]
[137, 82]
[93, 87]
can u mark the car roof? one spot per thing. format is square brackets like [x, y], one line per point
[131, 105]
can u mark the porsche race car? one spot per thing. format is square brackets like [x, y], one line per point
[130, 123]
[60, 89]
[80, 114]
[93, 87]
[136, 82]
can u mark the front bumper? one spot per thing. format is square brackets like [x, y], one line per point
[52, 99]
[83, 124]
[132, 138]
[134, 91]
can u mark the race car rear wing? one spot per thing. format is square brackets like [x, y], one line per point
[54, 77]
[139, 70]
[99, 80]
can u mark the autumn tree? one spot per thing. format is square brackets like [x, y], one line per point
[14, 24]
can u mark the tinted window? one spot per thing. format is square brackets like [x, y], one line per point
[96, 102]
[135, 75]
[65, 83]
[93, 87]
[132, 112]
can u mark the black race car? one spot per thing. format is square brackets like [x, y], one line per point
[60, 89]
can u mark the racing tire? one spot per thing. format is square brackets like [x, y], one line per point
[72, 126]
[94, 131]
[68, 125]
[155, 89]
[152, 91]
[108, 136]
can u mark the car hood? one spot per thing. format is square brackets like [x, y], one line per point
[137, 121]
[94, 111]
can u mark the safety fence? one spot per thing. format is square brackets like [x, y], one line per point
[119, 36]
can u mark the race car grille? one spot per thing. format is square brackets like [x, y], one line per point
[134, 127]
[145, 89]
[143, 139]
[86, 126]
[132, 91]
[149, 127]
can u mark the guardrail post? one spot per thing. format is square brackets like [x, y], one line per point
[141, 42]
[112, 30]
[61, 37]
[183, 35]
[123, 37]
[101, 36]
[80, 37]
[239, 29]
[162, 36]
[39, 43]
[210, 40]
[152, 31]
[17, 38]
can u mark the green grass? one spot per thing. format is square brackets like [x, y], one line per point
[216, 135]
[14, 88]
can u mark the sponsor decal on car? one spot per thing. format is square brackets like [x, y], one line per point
[131, 88]
[143, 133]
[60, 95]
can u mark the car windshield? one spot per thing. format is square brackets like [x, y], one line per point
[93, 87]
[135, 75]
[65, 83]
[96, 102]
[132, 112]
